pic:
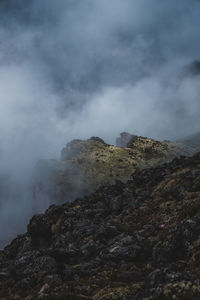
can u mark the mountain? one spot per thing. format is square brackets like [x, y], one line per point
[87, 165]
[133, 240]
[134, 235]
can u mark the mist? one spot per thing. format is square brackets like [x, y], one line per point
[75, 69]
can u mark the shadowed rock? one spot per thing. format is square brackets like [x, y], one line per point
[134, 240]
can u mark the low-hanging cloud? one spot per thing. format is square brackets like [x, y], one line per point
[73, 69]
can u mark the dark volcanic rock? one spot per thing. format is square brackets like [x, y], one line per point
[125, 139]
[135, 240]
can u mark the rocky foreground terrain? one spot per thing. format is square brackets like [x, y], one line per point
[138, 239]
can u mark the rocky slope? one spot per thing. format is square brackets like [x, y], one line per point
[133, 240]
[87, 165]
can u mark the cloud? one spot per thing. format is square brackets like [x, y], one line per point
[78, 50]
[73, 69]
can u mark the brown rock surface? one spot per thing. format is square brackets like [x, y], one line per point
[135, 240]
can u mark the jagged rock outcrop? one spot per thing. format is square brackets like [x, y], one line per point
[135, 240]
[87, 165]
[125, 139]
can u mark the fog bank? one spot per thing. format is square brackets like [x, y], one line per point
[75, 69]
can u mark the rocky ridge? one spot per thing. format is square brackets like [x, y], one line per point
[87, 165]
[133, 240]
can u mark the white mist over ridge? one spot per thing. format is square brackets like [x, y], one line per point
[75, 69]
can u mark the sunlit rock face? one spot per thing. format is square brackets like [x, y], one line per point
[85, 165]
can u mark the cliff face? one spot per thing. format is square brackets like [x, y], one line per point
[87, 165]
[134, 240]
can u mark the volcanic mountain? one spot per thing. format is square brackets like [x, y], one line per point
[134, 235]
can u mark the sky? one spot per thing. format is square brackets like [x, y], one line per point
[80, 68]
